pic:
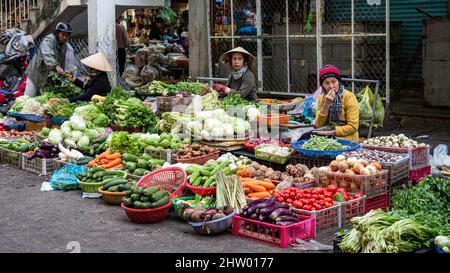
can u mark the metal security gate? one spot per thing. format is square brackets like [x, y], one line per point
[292, 39]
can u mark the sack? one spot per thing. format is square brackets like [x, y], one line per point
[65, 178]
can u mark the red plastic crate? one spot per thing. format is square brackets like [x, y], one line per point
[378, 202]
[324, 219]
[419, 157]
[352, 208]
[416, 175]
[283, 236]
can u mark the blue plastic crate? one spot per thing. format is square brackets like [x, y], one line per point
[15, 115]
[58, 120]
[17, 126]
[33, 118]
[331, 154]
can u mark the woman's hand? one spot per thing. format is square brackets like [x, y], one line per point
[221, 88]
[325, 133]
[59, 70]
[329, 98]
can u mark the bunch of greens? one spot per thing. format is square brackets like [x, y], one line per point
[55, 87]
[156, 88]
[117, 93]
[173, 122]
[168, 15]
[62, 109]
[132, 113]
[196, 88]
[124, 142]
[236, 100]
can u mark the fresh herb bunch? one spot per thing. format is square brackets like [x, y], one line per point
[55, 87]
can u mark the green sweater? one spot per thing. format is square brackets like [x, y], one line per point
[246, 86]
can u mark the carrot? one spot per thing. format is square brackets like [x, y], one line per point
[103, 155]
[259, 194]
[246, 190]
[257, 188]
[112, 163]
[91, 163]
[267, 185]
[120, 166]
[247, 184]
[246, 179]
[113, 156]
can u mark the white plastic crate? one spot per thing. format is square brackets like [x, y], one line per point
[39, 166]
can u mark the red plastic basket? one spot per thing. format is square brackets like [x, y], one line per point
[200, 160]
[251, 147]
[324, 220]
[378, 202]
[202, 191]
[147, 216]
[352, 208]
[417, 175]
[172, 178]
[283, 236]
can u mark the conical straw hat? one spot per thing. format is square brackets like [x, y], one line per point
[226, 57]
[97, 61]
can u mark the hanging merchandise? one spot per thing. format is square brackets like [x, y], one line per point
[365, 107]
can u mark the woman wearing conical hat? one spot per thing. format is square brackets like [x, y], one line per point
[242, 80]
[97, 83]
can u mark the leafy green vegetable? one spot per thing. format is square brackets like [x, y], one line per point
[133, 113]
[117, 93]
[323, 144]
[63, 109]
[56, 87]
[234, 101]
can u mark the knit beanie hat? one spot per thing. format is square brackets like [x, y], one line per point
[328, 71]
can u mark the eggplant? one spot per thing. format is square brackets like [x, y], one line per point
[265, 204]
[254, 216]
[33, 156]
[264, 218]
[46, 146]
[257, 201]
[284, 223]
[278, 212]
[284, 218]
[252, 209]
[268, 210]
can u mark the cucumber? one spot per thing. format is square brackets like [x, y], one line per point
[127, 202]
[137, 190]
[145, 199]
[100, 139]
[96, 169]
[161, 202]
[205, 173]
[158, 195]
[116, 182]
[128, 193]
[99, 174]
[149, 191]
[126, 187]
[137, 204]
[139, 171]
[89, 174]
[130, 158]
[146, 205]
[146, 157]
[135, 197]
[141, 164]
[113, 189]
[117, 173]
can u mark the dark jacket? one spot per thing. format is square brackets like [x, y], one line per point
[246, 86]
[156, 33]
[98, 85]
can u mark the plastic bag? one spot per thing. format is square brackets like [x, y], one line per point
[440, 156]
[379, 108]
[365, 107]
[286, 183]
[310, 105]
[65, 178]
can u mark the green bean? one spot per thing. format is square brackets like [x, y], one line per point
[323, 144]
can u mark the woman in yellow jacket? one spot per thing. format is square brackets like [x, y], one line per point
[336, 107]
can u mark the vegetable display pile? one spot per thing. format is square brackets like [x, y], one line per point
[146, 198]
[381, 232]
[375, 155]
[234, 101]
[194, 150]
[111, 180]
[205, 176]
[395, 141]
[30, 136]
[141, 165]
[299, 173]
[132, 113]
[61, 109]
[269, 211]
[117, 93]
[107, 161]
[199, 214]
[165, 89]
[257, 189]
[173, 122]
[314, 199]
[43, 151]
[20, 145]
[235, 162]
[209, 125]
[198, 201]
[136, 143]
[229, 191]
[323, 144]
[354, 166]
[166, 141]
[63, 89]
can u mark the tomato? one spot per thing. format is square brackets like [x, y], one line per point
[306, 201]
[329, 194]
[298, 196]
[307, 207]
[292, 194]
[341, 190]
[328, 205]
[276, 195]
[308, 191]
[321, 196]
[321, 202]
[315, 196]
[346, 197]
[332, 188]
[289, 201]
[359, 194]
[283, 203]
[286, 195]
[317, 206]
[328, 200]
[320, 190]
[307, 195]
[298, 204]
[280, 199]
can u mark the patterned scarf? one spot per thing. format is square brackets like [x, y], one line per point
[238, 74]
[336, 107]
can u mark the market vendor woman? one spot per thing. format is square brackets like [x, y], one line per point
[242, 80]
[97, 83]
[336, 107]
